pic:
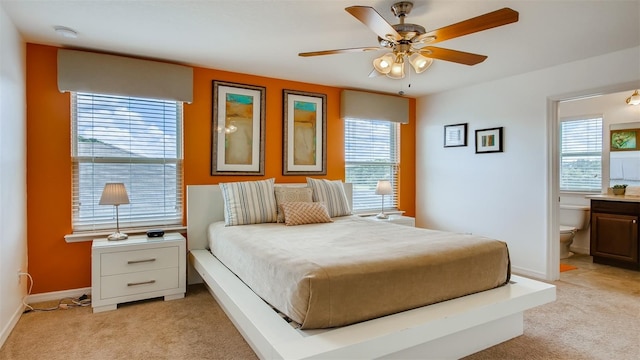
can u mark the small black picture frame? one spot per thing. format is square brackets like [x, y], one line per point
[455, 135]
[489, 140]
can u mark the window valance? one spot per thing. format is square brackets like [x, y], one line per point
[370, 106]
[89, 72]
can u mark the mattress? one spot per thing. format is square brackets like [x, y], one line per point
[353, 269]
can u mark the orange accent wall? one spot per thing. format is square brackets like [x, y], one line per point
[57, 265]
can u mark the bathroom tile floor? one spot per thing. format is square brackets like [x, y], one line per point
[600, 276]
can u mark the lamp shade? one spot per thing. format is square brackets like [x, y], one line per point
[384, 188]
[420, 62]
[383, 63]
[397, 69]
[114, 194]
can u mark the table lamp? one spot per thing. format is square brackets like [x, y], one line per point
[383, 188]
[115, 194]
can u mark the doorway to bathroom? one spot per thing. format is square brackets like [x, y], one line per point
[592, 175]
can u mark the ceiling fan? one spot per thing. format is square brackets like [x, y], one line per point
[413, 42]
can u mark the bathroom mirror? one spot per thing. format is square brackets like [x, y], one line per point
[624, 154]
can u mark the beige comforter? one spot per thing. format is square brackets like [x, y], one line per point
[351, 270]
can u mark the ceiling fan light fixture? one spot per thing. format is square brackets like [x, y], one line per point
[634, 99]
[397, 69]
[383, 63]
[420, 62]
[410, 40]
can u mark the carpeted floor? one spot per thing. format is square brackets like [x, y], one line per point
[596, 316]
[191, 328]
[582, 323]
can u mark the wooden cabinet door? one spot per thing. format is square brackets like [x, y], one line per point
[614, 236]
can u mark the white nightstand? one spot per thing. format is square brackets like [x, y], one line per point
[395, 219]
[137, 268]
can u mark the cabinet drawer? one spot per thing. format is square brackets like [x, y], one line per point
[138, 260]
[616, 207]
[138, 283]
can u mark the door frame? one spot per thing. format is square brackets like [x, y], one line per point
[553, 167]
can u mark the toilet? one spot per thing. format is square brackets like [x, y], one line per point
[572, 219]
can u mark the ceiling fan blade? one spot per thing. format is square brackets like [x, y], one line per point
[456, 56]
[487, 21]
[374, 21]
[339, 51]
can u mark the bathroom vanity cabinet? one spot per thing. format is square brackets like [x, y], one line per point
[614, 232]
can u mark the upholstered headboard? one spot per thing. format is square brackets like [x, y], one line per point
[204, 206]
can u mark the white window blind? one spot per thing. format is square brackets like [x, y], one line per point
[371, 154]
[581, 155]
[136, 141]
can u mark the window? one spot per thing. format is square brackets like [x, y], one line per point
[371, 154]
[581, 154]
[135, 141]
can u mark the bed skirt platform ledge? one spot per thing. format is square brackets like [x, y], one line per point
[448, 330]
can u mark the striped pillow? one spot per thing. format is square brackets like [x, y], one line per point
[288, 194]
[300, 213]
[248, 202]
[330, 192]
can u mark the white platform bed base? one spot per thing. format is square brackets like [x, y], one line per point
[447, 330]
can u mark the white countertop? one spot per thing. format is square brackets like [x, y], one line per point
[607, 197]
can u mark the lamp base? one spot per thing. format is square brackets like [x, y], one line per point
[382, 216]
[117, 236]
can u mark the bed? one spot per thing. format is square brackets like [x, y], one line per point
[443, 329]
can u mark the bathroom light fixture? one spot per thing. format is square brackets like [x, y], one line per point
[634, 99]
[65, 31]
[383, 188]
[115, 194]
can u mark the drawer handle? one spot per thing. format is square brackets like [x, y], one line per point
[141, 283]
[140, 261]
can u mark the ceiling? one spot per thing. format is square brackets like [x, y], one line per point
[264, 37]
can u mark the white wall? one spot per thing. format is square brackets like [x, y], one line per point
[505, 195]
[614, 110]
[13, 192]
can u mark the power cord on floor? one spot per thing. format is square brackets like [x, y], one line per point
[64, 303]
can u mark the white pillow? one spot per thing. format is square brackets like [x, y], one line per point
[291, 194]
[330, 192]
[249, 202]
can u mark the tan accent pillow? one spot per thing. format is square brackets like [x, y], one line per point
[300, 213]
[291, 194]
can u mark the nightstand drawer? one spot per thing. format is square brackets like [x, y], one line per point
[138, 260]
[139, 282]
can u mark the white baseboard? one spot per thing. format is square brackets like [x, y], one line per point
[57, 295]
[527, 273]
[4, 334]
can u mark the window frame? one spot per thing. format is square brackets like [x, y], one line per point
[562, 155]
[168, 220]
[375, 201]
